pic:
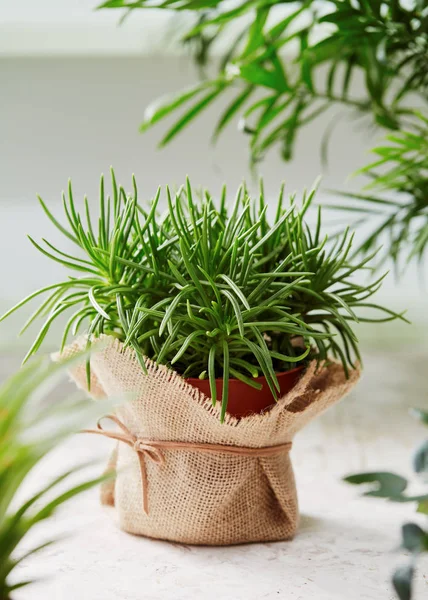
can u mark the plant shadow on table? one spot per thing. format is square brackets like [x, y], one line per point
[325, 530]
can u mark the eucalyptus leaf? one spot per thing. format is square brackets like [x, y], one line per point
[420, 459]
[384, 484]
[402, 582]
[414, 538]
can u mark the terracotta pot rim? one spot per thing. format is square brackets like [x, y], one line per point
[259, 379]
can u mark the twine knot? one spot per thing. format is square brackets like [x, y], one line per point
[152, 450]
[149, 450]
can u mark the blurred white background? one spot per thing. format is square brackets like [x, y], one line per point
[75, 84]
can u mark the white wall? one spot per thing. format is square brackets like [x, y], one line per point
[74, 117]
[64, 27]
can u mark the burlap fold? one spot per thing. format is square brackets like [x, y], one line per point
[194, 497]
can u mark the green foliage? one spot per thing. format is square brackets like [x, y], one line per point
[386, 485]
[285, 76]
[396, 199]
[207, 289]
[29, 428]
[393, 487]
[288, 62]
[402, 581]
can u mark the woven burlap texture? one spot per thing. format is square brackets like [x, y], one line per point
[194, 497]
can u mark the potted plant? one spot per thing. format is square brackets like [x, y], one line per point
[211, 315]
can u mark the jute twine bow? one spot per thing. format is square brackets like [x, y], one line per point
[153, 449]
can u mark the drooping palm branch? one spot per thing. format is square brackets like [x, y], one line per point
[290, 61]
[394, 204]
[30, 427]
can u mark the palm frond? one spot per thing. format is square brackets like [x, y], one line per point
[28, 431]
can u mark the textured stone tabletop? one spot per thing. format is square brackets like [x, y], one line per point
[343, 551]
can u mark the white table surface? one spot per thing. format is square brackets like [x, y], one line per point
[343, 551]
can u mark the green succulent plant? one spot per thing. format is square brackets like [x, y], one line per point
[30, 427]
[210, 290]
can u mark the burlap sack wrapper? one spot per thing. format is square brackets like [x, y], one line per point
[195, 497]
